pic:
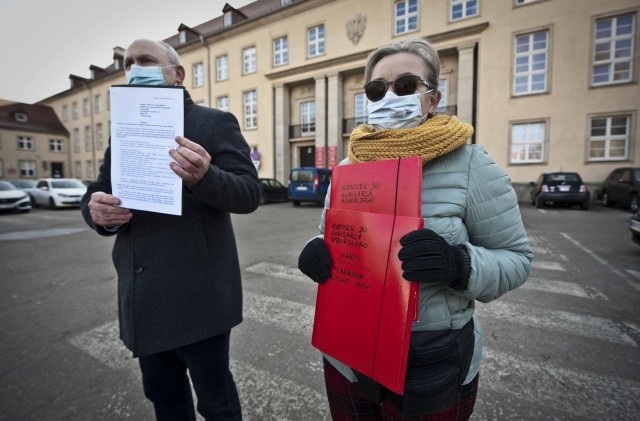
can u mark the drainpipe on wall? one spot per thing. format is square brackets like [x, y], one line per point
[326, 122]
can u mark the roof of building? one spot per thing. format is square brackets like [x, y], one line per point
[39, 119]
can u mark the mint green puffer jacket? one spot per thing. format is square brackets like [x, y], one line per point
[468, 199]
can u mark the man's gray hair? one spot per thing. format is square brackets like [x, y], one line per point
[418, 46]
[174, 57]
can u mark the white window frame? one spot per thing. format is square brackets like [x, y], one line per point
[608, 138]
[65, 113]
[26, 143]
[316, 41]
[360, 108]
[443, 88]
[182, 37]
[307, 118]
[228, 19]
[613, 49]
[78, 169]
[89, 169]
[528, 58]
[250, 106]
[98, 106]
[468, 9]
[280, 51]
[249, 60]
[76, 140]
[222, 67]
[99, 136]
[27, 168]
[86, 107]
[21, 117]
[222, 103]
[531, 142]
[56, 145]
[88, 141]
[74, 110]
[406, 13]
[198, 75]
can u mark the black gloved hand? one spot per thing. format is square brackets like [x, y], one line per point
[315, 261]
[427, 257]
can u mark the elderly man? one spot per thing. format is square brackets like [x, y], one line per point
[179, 288]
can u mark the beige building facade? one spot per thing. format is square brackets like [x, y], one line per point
[549, 85]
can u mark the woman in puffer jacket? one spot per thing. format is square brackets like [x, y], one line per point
[474, 246]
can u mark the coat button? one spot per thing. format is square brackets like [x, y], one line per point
[138, 270]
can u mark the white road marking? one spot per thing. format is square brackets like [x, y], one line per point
[634, 273]
[561, 287]
[32, 234]
[547, 265]
[558, 321]
[560, 388]
[279, 271]
[600, 260]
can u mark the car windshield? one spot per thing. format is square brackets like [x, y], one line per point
[67, 184]
[23, 183]
[5, 185]
[302, 176]
[572, 178]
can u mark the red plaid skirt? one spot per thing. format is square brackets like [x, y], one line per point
[348, 404]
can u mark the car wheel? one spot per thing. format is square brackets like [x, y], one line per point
[34, 204]
[539, 203]
[296, 203]
[585, 205]
[52, 203]
[605, 199]
[633, 203]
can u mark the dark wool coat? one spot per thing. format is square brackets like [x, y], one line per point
[179, 276]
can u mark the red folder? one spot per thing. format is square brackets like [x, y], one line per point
[365, 309]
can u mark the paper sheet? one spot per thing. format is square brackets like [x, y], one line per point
[144, 124]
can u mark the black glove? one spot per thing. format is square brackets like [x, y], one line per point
[315, 261]
[427, 257]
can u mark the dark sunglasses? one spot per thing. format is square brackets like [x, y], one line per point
[404, 85]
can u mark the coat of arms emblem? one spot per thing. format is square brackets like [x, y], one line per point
[356, 27]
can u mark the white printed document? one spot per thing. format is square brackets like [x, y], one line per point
[144, 123]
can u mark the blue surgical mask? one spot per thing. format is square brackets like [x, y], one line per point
[145, 75]
[396, 112]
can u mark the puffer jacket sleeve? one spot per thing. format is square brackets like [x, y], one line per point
[498, 246]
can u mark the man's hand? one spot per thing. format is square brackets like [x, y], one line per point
[105, 211]
[192, 161]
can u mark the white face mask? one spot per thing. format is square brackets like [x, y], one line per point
[396, 112]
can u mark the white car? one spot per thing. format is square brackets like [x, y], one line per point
[12, 198]
[58, 192]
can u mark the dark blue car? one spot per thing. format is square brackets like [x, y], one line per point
[308, 184]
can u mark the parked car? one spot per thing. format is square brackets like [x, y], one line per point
[622, 187]
[24, 184]
[272, 191]
[559, 188]
[58, 192]
[634, 226]
[12, 198]
[308, 184]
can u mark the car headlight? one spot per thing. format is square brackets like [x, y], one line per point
[63, 195]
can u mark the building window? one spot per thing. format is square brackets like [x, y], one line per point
[228, 19]
[74, 111]
[98, 103]
[56, 145]
[249, 60]
[285, 2]
[222, 103]
[65, 113]
[527, 142]
[76, 140]
[21, 117]
[99, 136]
[613, 50]
[521, 2]
[25, 143]
[406, 16]
[308, 118]
[78, 169]
[250, 110]
[461, 9]
[609, 138]
[361, 108]
[27, 169]
[531, 63]
[198, 75]
[86, 107]
[315, 41]
[88, 142]
[182, 37]
[280, 51]
[108, 101]
[89, 170]
[222, 68]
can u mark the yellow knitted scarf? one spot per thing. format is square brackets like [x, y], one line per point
[437, 136]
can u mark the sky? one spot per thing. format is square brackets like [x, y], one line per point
[42, 42]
